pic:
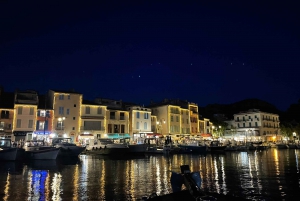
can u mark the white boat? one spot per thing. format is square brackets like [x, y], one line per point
[43, 154]
[68, 148]
[9, 153]
[105, 146]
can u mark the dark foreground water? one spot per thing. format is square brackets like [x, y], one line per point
[272, 173]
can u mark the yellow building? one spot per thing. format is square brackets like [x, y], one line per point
[67, 113]
[173, 117]
[24, 122]
[139, 121]
[93, 121]
[194, 118]
[117, 118]
[185, 122]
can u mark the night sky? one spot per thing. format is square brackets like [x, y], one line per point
[201, 51]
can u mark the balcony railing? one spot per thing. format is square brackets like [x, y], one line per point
[92, 117]
[59, 128]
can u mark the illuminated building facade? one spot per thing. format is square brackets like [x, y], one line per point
[254, 125]
[205, 128]
[24, 122]
[173, 117]
[117, 118]
[194, 118]
[185, 121]
[139, 121]
[67, 113]
[44, 120]
[93, 120]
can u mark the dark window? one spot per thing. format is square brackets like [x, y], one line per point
[74, 105]
[122, 128]
[112, 115]
[122, 116]
[4, 114]
[73, 128]
[109, 128]
[73, 118]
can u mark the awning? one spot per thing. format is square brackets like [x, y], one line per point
[42, 132]
[91, 136]
[86, 135]
[118, 135]
[205, 135]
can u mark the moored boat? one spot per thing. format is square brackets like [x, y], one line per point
[193, 147]
[216, 146]
[9, 153]
[43, 154]
[68, 148]
[105, 146]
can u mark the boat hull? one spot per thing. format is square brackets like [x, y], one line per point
[110, 151]
[137, 148]
[185, 149]
[46, 154]
[217, 148]
[12, 154]
[70, 151]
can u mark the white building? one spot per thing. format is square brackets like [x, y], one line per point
[253, 125]
[140, 121]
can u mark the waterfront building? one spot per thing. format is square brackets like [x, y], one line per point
[67, 109]
[44, 120]
[205, 128]
[6, 114]
[185, 122]
[173, 117]
[139, 121]
[254, 125]
[194, 117]
[24, 122]
[117, 118]
[92, 121]
[154, 124]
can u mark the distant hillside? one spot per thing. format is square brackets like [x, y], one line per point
[230, 109]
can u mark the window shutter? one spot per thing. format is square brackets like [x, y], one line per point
[37, 125]
[46, 125]
[39, 113]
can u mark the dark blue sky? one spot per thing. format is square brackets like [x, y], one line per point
[139, 51]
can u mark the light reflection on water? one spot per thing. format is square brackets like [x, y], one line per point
[249, 174]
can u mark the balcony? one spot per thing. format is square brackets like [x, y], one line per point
[59, 128]
[92, 117]
[90, 128]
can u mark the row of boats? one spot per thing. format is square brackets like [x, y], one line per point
[35, 150]
[64, 147]
[117, 147]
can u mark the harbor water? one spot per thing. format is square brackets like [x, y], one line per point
[271, 174]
